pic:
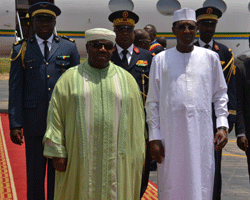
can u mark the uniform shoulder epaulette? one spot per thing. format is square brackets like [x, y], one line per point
[67, 38]
[19, 42]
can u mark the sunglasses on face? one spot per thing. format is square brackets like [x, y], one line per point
[189, 27]
[100, 45]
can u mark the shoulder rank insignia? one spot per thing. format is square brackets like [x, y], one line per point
[18, 42]
[136, 50]
[142, 63]
[153, 54]
[67, 38]
[216, 47]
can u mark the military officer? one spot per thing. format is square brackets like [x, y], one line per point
[142, 39]
[155, 47]
[35, 68]
[162, 41]
[207, 18]
[135, 60]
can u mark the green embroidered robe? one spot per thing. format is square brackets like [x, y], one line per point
[96, 120]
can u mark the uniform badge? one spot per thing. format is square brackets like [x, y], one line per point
[142, 63]
[136, 50]
[216, 47]
[232, 112]
[114, 49]
[209, 11]
[63, 57]
[44, 5]
[222, 62]
[125, 14]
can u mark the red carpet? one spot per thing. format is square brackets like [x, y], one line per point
[16, 156]
[13, 179]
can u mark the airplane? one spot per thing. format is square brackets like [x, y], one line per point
[77, 16]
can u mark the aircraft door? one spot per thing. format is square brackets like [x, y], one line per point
[7, 26]
[7, 16]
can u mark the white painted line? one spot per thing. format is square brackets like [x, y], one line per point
[13, 188]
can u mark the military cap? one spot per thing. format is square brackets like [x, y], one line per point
[44, 8]
[123, 18]
[210, 14]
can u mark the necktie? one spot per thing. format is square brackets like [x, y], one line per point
[207, 46]
[124, 58]
[46, 50]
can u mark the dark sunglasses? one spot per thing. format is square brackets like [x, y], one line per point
[99, 45]
[183, 27]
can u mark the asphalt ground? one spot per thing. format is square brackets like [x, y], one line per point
[4, 95]
[235, 179]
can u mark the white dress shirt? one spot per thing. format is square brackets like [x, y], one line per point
[41, 44]
[129, 54]
[202, 44]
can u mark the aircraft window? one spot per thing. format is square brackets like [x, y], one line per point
[167, 7]
[115, 5]
[220, 4]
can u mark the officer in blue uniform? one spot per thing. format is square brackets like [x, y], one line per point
[35, 68]
[207, 18]
[135, 60]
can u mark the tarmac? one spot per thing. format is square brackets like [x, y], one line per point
[235, 179]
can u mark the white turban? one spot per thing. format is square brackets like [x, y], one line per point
[184, 14]
[100, 34]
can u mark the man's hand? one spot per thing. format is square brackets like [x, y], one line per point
[157, 151]
[242, 143]
[16, 135]
[60, 164]
[222, 136]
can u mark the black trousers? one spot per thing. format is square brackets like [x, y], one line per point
[36, 165]
[145, 174]
[217, 176]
